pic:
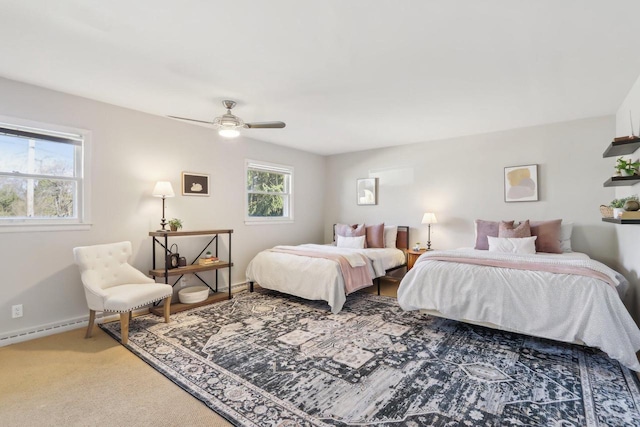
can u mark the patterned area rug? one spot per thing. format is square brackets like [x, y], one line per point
[267, 359]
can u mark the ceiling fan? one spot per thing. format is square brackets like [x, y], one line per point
[229, 125]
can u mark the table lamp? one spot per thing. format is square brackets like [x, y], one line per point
[429, 218]
[163, 189]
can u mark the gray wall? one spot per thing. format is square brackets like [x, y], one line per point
[131, 151]
[461, 180]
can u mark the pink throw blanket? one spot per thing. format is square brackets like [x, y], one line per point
[354, 277]
[516, 265]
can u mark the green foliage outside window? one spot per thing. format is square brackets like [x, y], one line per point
[52, 198]
[11, 203]
[265, 193]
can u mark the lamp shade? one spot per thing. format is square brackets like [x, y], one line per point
[429, 218]
[163, 189]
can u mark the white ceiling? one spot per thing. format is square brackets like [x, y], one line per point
[345, 75]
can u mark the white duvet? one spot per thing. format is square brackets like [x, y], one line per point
[316, 278]
[564, 307]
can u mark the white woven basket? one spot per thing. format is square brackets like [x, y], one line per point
[193, 294]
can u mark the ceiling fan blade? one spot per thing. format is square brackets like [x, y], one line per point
[189, 120]
[265, 125]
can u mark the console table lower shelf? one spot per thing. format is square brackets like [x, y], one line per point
[178, 306]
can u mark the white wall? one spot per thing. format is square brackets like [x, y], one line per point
[461, 180]
[131, 151]
[629, 235]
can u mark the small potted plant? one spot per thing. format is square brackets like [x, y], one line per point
[627, 167]
[175, 224]
[619, 204]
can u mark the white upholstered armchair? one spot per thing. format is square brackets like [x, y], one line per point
[112, 285]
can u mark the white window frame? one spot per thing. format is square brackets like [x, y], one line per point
[287, 218]
[82, 177]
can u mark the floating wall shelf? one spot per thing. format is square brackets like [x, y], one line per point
[622, 181]
[620, 148]
[622, 221]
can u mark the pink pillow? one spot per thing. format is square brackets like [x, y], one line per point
[375, 235]
[548, 233]
[484, 229]
[522, 230]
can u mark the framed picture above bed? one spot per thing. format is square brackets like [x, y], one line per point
[367, 191]
[521, 183]
[195, 184]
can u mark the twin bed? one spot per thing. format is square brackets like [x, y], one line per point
[311, 271]
[562, 296]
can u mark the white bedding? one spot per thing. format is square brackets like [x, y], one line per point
[564, 307]
[316, 278]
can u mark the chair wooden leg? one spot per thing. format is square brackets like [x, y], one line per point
[124, 327]
[167, 308]
[92, 318]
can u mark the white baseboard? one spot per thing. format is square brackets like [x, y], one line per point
[74, 323]
[43, 330]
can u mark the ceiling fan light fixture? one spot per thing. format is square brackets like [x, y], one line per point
[227, 132]
[229, 125]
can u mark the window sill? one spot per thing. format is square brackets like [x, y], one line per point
[267, 222]
[31, 228]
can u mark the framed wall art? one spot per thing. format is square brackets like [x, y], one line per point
[521, 183]
[367, 191]
[195, 184]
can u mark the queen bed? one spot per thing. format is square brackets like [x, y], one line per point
[320, 272]
[563, 296]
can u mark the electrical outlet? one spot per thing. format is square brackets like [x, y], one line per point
[16, 311]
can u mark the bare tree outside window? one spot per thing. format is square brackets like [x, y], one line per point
[40, 174]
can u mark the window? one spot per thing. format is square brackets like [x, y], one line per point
[269, 192]
[42, 178]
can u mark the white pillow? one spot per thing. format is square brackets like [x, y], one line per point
[522, 245]
[351, 242]
[566, 228]
[390, 236]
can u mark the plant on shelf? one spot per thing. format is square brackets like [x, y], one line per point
[175, 224]
[619, 203]
[627, 167]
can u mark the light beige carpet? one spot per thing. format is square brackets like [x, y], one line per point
[66, 380]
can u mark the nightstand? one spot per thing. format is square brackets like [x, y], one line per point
[412, 256]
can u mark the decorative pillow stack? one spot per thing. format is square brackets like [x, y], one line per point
[485, 229]
[349, 233]
[513, 239]
[373, 235]
[527, 237]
